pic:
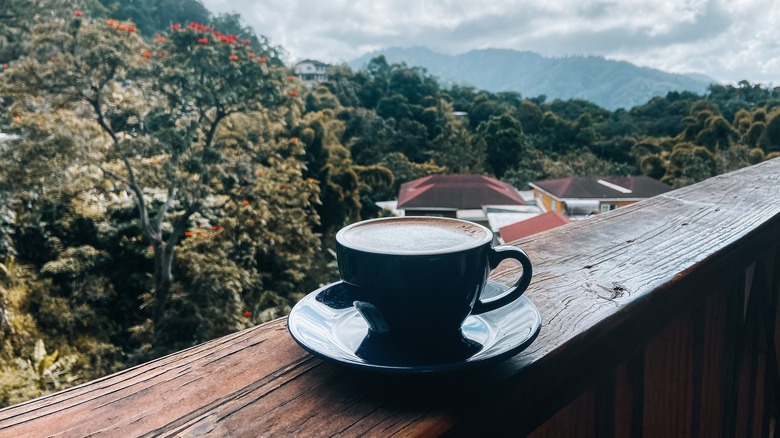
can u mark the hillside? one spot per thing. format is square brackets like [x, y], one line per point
[609, 84]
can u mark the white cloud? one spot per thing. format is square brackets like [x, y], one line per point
[728, 40]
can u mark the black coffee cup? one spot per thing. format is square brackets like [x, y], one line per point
[416, 279]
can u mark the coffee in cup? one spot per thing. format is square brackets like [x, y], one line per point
[416, 279]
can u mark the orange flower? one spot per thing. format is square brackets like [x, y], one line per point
[245, 202]
[176, 26]
[293, 139]
[188, 234]
[311, 180]
[251, 55]
[131, 28]
[160, 38]
[248, 314]
[216, 227]
[203, 40]
[261, 59]
[78, 13]
[290, 78]
[245, 41]
[5, 66]
[259, 173]
[233, 58]
[293, 93]
[110, 22]
[17, 118]
[147, 54]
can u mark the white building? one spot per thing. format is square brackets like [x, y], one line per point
[311, 72]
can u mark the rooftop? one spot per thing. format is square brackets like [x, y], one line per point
[456, 192]
[603, 187]
[537, 224]
[313, 61]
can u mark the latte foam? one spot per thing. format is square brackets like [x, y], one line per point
[413, 235]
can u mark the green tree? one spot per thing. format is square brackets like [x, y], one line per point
[405, 170]
[329, 163]
[689, 164]
[455, 149]
[17, 18]
[530, 116]
[505, 143]
[773, 131]
[158, 109]
[717, 134]
[152, 16]
[368, 136]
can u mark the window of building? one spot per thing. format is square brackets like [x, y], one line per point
[603, 208]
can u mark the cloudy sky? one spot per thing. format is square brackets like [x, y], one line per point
[728, 40]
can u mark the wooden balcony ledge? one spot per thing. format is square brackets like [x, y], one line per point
[659, 319]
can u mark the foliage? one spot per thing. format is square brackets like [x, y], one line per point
[505, 143]
[179, 146]
[155, 15]
[157, 109]
[709, 143]
[405, 170]
[17, 18]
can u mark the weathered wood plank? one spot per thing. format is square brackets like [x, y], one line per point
[669, 382]
[575, 419]
[605, 288]
[715, 357]
[628, 397]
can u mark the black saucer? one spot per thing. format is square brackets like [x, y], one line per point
[327, 325]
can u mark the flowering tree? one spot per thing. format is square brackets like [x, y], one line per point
[16, 20]
[158, 109]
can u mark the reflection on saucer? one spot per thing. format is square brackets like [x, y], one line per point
[335, 297]
[381, 350]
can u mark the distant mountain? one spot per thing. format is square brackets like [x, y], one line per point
[609, 84]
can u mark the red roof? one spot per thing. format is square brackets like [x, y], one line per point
[611, 187]
[536, 224]
[456, 192]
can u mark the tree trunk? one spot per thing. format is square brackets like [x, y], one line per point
[163, 278]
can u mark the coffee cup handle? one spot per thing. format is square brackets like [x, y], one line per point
[496, 256]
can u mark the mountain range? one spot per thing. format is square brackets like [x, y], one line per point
[607, 83]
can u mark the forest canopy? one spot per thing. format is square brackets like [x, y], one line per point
[167, 179]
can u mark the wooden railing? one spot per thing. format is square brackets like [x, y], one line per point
[659, 319]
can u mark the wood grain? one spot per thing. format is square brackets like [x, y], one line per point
[610, 289]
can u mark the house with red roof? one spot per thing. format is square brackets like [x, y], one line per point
[476, 198]
[579, 197]
[445, 195]
[536, 224]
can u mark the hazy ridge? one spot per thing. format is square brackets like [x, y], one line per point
[607, 83]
